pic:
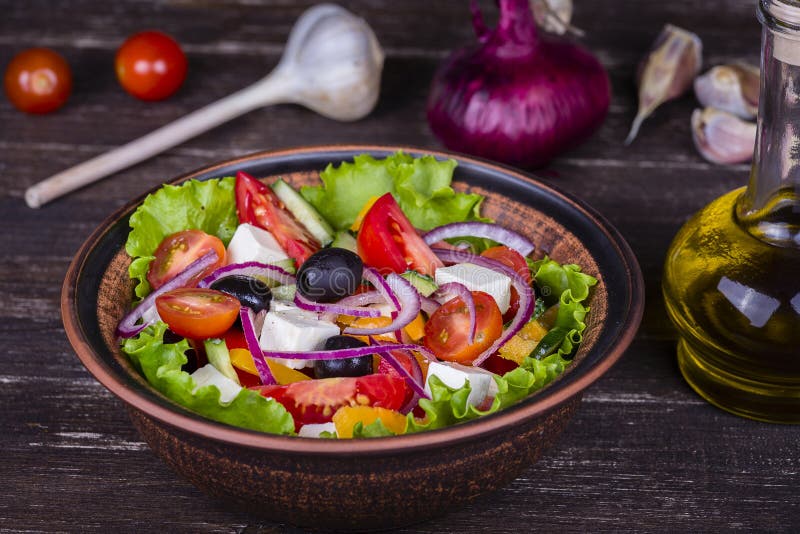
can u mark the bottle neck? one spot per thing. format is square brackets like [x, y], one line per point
[770, 207]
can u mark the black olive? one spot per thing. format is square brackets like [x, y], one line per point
[191, 361]
[171, 337]
[358, 366]
[329, 275]
[251, 292]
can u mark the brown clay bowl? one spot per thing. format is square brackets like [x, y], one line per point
[394, 481]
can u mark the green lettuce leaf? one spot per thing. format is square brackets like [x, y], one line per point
[161, 363]
[209, 206]
[421, 187]
[376, 429]
[553, 279]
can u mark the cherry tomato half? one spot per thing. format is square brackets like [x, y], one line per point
[177, 251]
[38, 80]
[150, 65]
[198, 313]
[388, 241]
[510, 258]
[315, 401]
[447, 331]
[257, 204]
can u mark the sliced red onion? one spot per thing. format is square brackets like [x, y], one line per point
[362, 299]
[334, 308]
[494, 232]
[414, 379]
[264, 372]
[428, 305]
[461, 291]
[250, 268]
[525, 291]
[128, 327]
[340, 354]
[403, 296]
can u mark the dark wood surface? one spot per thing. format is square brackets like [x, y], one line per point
[644, 452]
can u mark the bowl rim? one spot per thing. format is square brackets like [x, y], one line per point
[502, 420]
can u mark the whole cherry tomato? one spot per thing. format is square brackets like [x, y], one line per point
[38, 80]
[150, 65]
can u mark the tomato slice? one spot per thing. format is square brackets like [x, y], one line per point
[257, 204]
[315, 401]
[177, 251]
[198, 313]
[404, 359]
[511, 258]
[388, 241]
[447, 331]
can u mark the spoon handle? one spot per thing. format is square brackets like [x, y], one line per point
[269, 90]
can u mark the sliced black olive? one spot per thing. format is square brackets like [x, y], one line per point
[358, 366]
[251, 292]
[329, 275]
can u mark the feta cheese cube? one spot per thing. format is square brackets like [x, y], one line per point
[251, 243]
[208, 375]
[295, 330]
[314, 430]
[477, 278]
[455, 376]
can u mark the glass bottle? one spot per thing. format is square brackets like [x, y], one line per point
[732, 274]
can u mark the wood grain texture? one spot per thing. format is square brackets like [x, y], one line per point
[643, 453]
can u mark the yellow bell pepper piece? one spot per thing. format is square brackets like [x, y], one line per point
[346, 418]
[523, 343]
[416, 328]
[243, 360]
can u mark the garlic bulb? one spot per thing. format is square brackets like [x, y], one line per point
[732, 88]
[667, 71]
[554, 16]
[722, 137]
[333, 63]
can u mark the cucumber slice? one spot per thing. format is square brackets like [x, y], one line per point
[304, 212]
[424, 284]
[219, 357]
[285, 293]
[344, 239]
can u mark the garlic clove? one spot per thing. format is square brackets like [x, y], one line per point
[554, 16]
[732, 88]
[667, 72]
[722, 137]
[334, 62]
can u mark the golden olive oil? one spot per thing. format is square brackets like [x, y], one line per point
[735, 300]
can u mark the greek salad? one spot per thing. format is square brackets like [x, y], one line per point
[378, 303]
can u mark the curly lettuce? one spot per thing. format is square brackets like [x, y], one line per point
[209, 206]
[161, 363]
[421, 186]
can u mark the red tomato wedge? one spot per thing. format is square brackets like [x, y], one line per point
[198, 313]
[315, 401]
[447, 331]
[177, 251]
[511, 258]
[388, 241]
[257, 204]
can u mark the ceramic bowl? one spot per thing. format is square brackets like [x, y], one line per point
[371, 483]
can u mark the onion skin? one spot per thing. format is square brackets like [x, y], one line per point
[517, 96]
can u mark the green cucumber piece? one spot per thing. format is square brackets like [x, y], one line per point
[285, 293]
[304, 212]
[424, 284]
[344, 239]
[219, 357]
[549, 343]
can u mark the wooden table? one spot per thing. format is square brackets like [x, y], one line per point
[643, 453]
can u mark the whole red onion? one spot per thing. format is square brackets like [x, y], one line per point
[517, 96]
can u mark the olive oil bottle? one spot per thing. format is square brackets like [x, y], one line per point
[732, 274]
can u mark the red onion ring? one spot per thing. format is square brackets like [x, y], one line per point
[340, 354]
[526, 297]
[264, 372]
[362, 299]
[428, 305]
[398, 291]
[414, 379]
[250, 268]
[494, 232]
[334, 308]
[127, 326]
[461, 291]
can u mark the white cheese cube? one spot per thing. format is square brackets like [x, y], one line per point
[295, 330]
[208, 375]
[454, 375]
[281, 305]
[251, 243]
[477, 278]
[314, 430]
